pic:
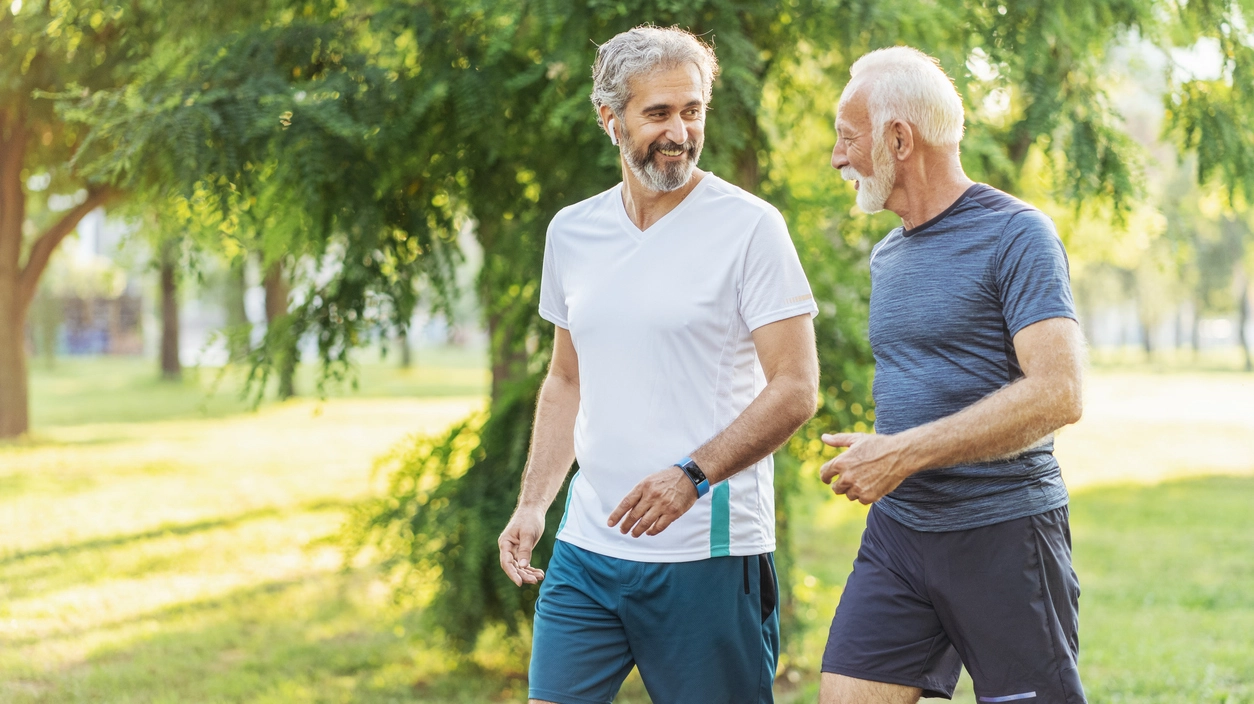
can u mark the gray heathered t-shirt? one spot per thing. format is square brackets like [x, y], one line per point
[947, 299]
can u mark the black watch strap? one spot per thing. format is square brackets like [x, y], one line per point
[695, 475]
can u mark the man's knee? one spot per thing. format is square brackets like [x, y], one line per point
[839, 689]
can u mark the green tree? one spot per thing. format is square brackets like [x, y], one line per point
[51, 49]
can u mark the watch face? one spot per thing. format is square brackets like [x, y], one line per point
[694, 471]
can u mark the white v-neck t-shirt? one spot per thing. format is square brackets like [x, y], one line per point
[661, 321]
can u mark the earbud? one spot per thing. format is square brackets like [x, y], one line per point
[613, 133]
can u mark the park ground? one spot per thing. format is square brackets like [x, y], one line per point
[158, 544]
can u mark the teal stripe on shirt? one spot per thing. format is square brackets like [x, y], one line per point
[720, 520]
[566, 510]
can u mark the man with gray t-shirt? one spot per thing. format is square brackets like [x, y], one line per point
[966, 557]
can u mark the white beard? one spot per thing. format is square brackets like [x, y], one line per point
[873, 191]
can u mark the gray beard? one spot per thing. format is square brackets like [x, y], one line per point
[663, 179]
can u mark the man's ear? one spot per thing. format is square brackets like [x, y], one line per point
[901, 136]
[609, 123]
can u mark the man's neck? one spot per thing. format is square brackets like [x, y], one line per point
[645, 206]
[926, 190]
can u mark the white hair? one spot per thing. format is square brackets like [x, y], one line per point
[643, 50]
[903, 83]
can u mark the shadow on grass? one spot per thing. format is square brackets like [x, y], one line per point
[37, 440]
[310, 639]
[56, 482]
[181, 529]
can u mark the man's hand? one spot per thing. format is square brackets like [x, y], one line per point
[655, 503]
[869, 469]
[516, 543]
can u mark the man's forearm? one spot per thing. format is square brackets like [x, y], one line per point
[552, 443]
[1013, 419]
[783, 406]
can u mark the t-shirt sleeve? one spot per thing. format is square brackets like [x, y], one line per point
[774, 285]
[1032, 272]
[552, 295]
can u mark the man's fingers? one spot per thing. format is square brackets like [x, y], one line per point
[629, 502]
[512, 572]
[829, 471]
[633, 516]
[842, 486]
[646, 522]
[522, 553]
[833, 468]
[842, 439]
[509, 563]
[531, 575]
[517, 566]
[660, 525]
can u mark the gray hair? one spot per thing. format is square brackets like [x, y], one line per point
[907, 84]
[644, 50]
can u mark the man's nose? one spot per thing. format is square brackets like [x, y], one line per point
[677, 129]
[839, 160]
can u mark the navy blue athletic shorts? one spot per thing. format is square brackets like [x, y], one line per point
[703, 632]
[1002, 600]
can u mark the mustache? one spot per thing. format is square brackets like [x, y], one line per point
[851, 174]
[689, 147]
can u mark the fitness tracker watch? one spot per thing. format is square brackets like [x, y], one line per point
[695, 475]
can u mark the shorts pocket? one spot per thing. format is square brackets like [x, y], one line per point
[1071, 687]
[767, 591]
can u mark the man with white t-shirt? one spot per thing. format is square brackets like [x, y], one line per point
[684, 356]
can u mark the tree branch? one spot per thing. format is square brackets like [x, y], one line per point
[47, 243]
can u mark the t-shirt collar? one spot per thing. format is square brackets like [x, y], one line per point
[625, 219]
[908, 232]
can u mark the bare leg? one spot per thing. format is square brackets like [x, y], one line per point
[838, 689]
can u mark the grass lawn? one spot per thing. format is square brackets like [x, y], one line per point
[158, 547]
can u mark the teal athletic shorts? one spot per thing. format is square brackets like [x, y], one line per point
[702, 632]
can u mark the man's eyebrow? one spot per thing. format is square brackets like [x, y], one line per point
[667, 106]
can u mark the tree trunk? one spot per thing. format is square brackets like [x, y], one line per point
[748, 171]
[19, 282]
[1195, 334]
[277, 292]
[1179, 327]
[402, 341]
[171, 366]
[238, 329]
[13, 400]
[507, 356]
[13, 391]
[1243, 322]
